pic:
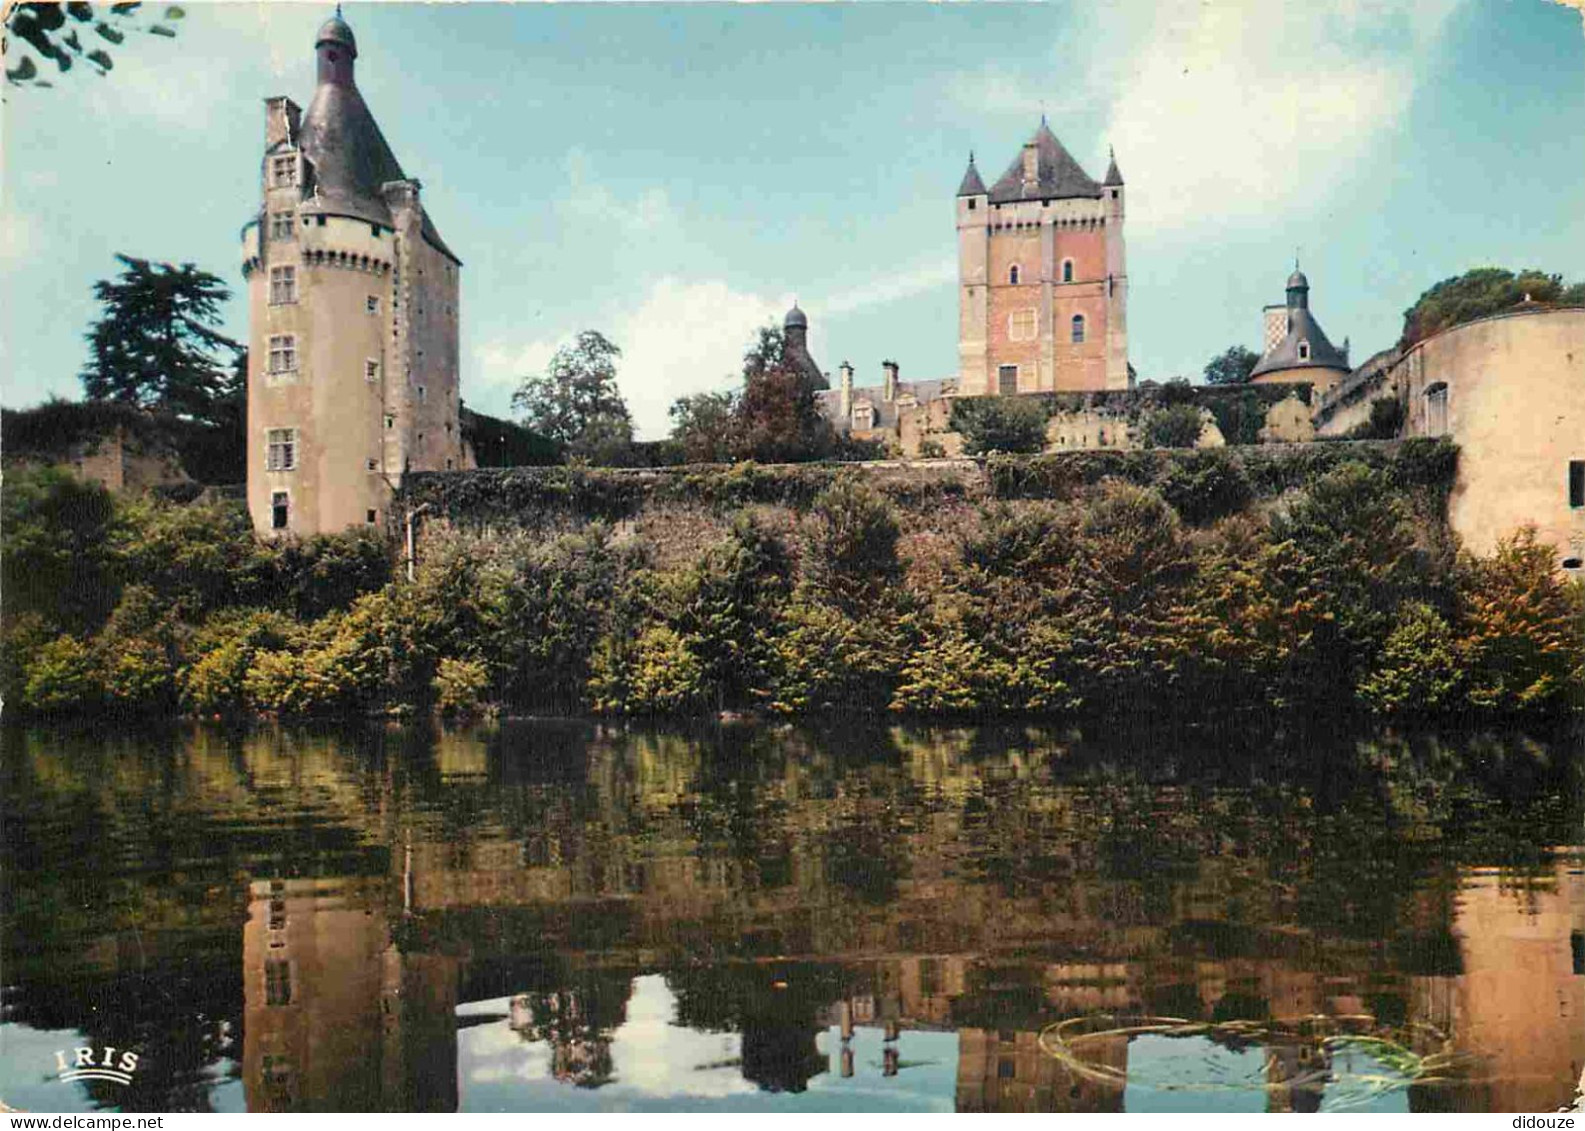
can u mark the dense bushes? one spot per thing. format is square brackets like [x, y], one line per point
[1154, 587]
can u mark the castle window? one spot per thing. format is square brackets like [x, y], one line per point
[1304, 351]
[280, 510]
[283, 285]
[372, 465]
[1576, 482]
[973, 204]
[1067, 270]
[283, 353]
[372, 304]
[1021, 325]
[1436, 409]
[283, 171]
[281, 225]
[422, 393]
[1012, 274]
[371, 370]
[280, 453]
[1078, 329]
[277, 983]
[1006, 379]
[390, 421]
[370, 515]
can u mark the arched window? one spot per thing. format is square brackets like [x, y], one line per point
[1436, 409]
[1067, 270]
[1078, 328]
[1012, 274]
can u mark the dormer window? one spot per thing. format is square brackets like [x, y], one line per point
[1304, 351]
[283, 170]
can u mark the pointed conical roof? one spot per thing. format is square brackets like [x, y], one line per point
[1113, 177]
[972, 185]
[349, 158]
[1058, 174]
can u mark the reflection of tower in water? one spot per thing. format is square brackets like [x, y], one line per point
[577, 1023]
[337, 1016]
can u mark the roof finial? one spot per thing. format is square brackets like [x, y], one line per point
[338, 11]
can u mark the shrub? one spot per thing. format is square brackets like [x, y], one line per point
[947, 673]
[1386, 420]
[829, 659]
[222, 652]
[62, 677]
[461, 686]
[932, 449]
[1419, 669]
[1205, 486]
[851, 541]
[1000, 424]
[1173, 426]
[53, 559]
[1520, 627]
[655, 674]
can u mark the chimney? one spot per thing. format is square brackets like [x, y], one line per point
[890, 369]
[846, 401]
[281, 119]
[1031, 165]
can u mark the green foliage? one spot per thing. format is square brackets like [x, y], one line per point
[222, 652]
[851, 538]
[461, 686]
[1174, 426]
[947, 673]
[1419, 670]
[46, 29]
[705, 424]
[157, 343]
[53, 562]
[1000, 424]
[576, 403]
[829, 659]
[500, 443]
[1478, 293]
[655, 674]
[1204, 486]
[1521, 627]
[1231, 367]
[1386, 421]
[62, 677]
[776, 419]
[932, 449]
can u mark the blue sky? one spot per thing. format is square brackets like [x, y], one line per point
[674, 175]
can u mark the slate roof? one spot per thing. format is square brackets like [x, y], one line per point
[1113, 177]
[1058, 174]
[830, 401]
[972, 185]
[1302, 326]
[349, 159]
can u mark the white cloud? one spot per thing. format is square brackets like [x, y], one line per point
[587, 200]
[1233, 110]
[906, 283]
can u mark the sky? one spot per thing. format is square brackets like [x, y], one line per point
[675, 175]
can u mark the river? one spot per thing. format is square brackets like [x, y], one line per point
[559, 915]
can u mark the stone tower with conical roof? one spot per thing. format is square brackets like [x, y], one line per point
[1042, 276]
[353, 315]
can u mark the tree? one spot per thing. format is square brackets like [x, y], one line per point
[1175, 426]
[1000, 424]
[777, 418]
[44, 28]
[1481, 292]
[157, 344]
[705, 425]
[576, 402]
[1231, 367]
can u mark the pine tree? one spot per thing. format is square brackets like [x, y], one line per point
[157, 345]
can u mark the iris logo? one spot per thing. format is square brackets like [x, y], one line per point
[96, 1064]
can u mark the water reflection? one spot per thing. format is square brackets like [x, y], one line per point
[564, 916]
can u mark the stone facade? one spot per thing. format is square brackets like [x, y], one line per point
[1510, 391]
[353, 311]
[1042, 277]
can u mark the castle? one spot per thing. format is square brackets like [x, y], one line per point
[1042, 276]
[353, 314]
[353, 361]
